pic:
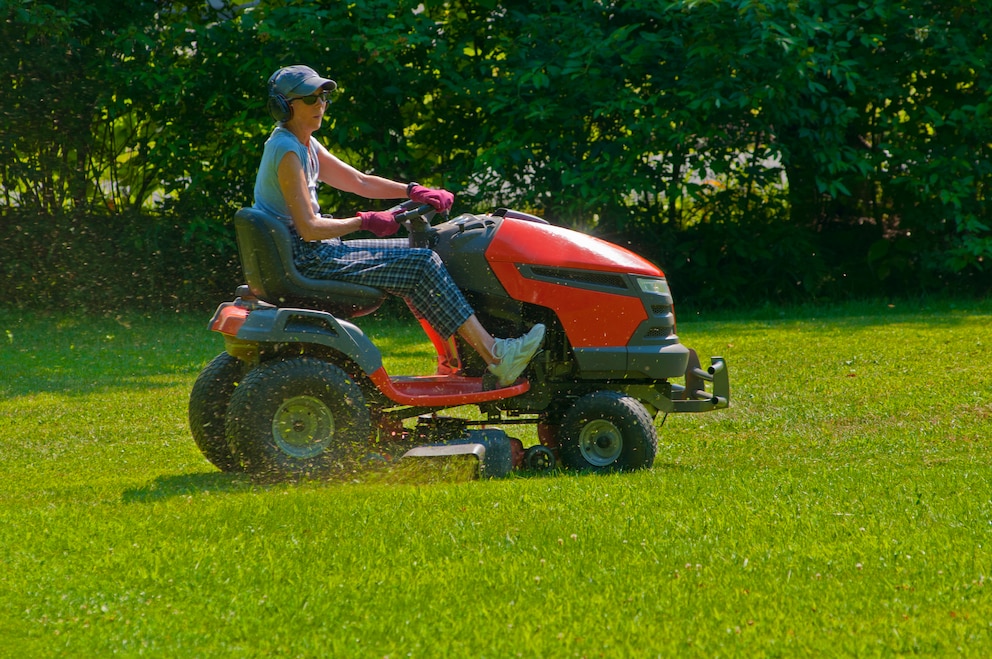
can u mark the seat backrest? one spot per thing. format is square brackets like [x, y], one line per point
[266, 250]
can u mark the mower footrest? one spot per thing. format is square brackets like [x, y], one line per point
[441, 390]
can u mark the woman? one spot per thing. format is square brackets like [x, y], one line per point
[286, 186]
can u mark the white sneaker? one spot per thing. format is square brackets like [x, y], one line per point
[515, 354]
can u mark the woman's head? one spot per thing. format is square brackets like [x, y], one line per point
[292, 83]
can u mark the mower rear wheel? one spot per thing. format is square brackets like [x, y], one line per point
[299, 416]
[608, 431]
[208, 401]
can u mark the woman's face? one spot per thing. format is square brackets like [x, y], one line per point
[308, 111]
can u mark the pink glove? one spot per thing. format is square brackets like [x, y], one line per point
[439, 199]
[381, 223]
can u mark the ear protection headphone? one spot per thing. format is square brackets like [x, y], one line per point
[278, 105]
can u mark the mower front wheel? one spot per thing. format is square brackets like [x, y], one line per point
[607, 431]
[298, 417]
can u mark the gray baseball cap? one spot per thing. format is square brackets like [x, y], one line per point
[298, 80]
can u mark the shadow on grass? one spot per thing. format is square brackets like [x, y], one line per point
[166, 487]
[405, 472]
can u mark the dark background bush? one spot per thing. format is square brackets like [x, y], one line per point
[758, 151]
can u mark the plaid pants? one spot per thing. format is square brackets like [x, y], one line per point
[415, 274]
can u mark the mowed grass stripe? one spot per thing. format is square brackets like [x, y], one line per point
[842, 506]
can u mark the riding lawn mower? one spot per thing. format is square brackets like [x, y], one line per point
[301, 391]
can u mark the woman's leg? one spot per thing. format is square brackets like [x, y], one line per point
[415, 274]
[479, 338]
[419, 276]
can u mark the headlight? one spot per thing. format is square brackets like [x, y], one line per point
[653, 286]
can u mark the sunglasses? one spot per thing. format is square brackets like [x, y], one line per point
[324, 96]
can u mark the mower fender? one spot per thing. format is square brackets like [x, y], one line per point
[288, 325]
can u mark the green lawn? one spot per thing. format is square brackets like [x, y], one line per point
[842, 506]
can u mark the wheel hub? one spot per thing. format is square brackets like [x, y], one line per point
[303, 427]
[600, 442]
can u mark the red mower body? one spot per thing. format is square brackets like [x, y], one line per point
[582, 311]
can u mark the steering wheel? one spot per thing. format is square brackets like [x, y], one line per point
[417, 219]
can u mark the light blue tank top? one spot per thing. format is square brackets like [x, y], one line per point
[268, 196]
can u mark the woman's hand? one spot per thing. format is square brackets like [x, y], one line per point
[439, 199]
[381, 223]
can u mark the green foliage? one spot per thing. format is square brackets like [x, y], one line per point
[71, 136]
[628, 119]
[821, 515]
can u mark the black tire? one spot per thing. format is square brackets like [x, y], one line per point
[208, 401]
[298, 417]
[608, 431]
[539, 458]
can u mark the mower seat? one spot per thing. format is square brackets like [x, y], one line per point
[266, 250]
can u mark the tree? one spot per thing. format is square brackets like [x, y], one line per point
[817, 143]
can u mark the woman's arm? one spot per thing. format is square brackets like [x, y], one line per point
[343, 176]
[310, 226]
